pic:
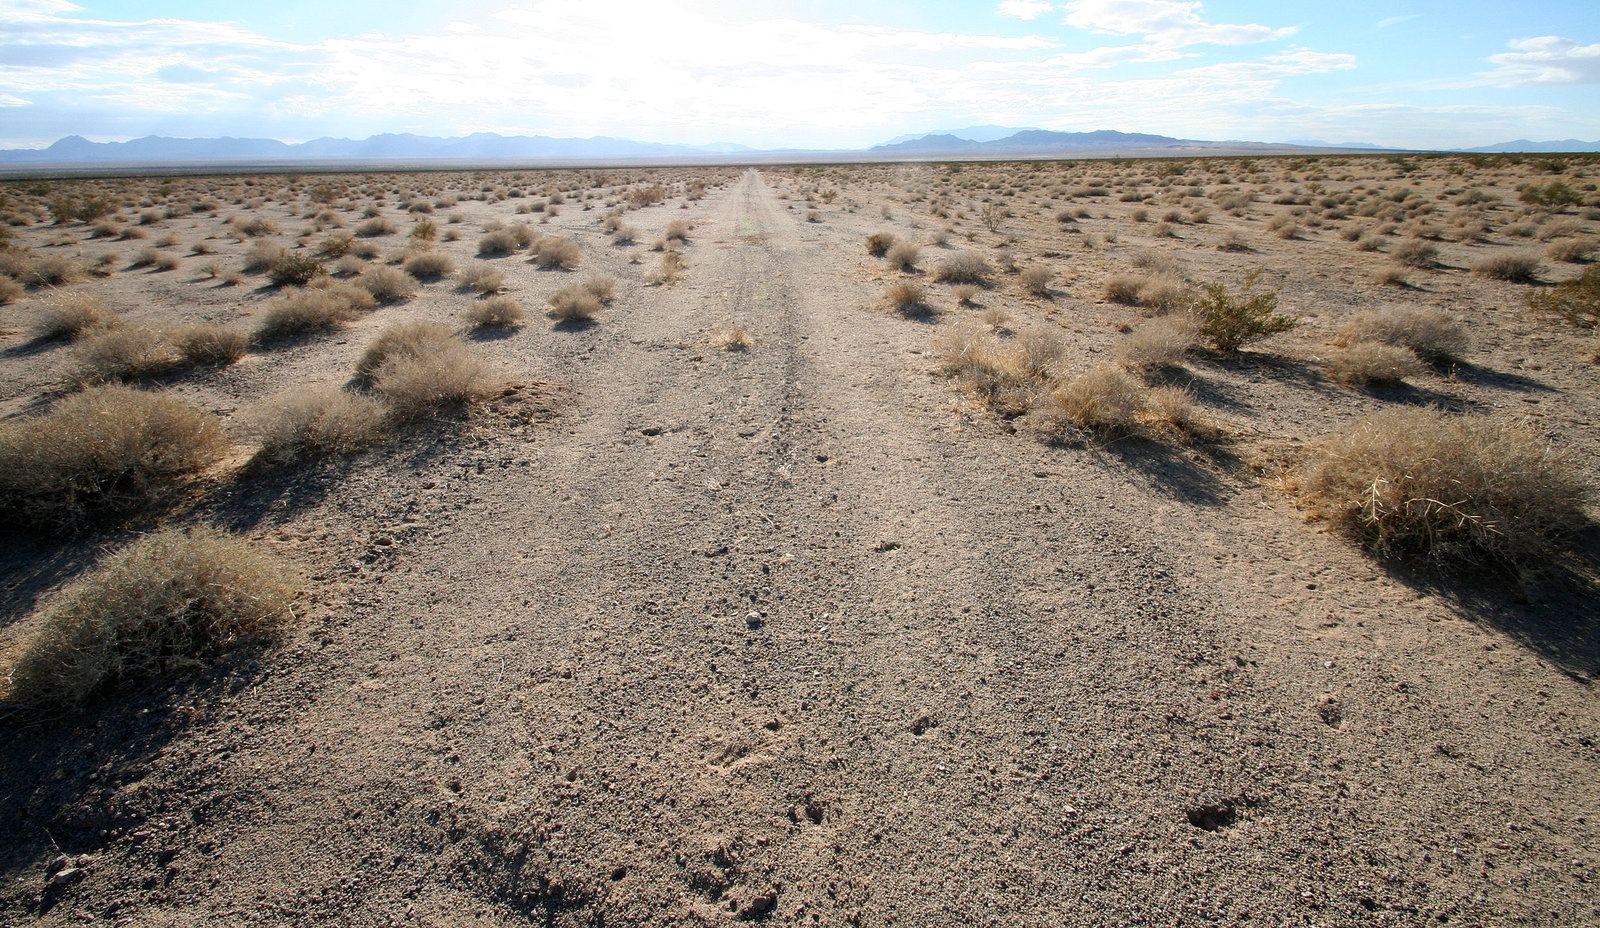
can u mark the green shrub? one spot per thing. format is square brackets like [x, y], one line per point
[1578, 301]
[1230, 322]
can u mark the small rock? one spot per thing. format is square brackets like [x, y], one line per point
[887, 545]
[66, 876]
[759, 906]
[56, 864]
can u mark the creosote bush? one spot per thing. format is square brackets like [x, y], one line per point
[1577, 301]
[1447, 490]
[171, 602]
[109, 450]
[1229, 321]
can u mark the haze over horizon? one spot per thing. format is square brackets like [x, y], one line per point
[799, 75]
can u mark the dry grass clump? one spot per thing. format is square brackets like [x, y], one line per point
[1363, 363]
[262, 256]
[429, 265]
[71, 315]
[482, 277]
[210, 345]
[375, 227]
[1415, 252]
[10, 290]
[1104, 399]
[668, 270]
[1433, 334]
[574, 305]
[315, 421]
[878, 243]
[964, 267]
[1008, 375]
[1416, 483]
[52, 271]
[301, 312]
[678, 231]
[964, 294]
[1171, 410]
[1229, 321]
[292, 269]
[1578, 301]
[497, 244]
[1515, 268]
[108, 450]
[731, 338]
[171, 602]
[429, 373]
[388, 285]
[405, 338]
[1164, 289]
[904, 255]
[1160, 343]
[136, 351]
[557, 252]
[499, 312]
[908, 298]
[1570, 250]
[1036, 280]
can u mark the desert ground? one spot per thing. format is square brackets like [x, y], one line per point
[754, 576]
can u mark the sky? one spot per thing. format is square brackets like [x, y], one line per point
[792, 74]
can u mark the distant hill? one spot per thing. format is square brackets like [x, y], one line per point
[482, 146]
[970, 133]
[1524, 145]
[1043, 142]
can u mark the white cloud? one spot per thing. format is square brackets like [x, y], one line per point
[1024, 9]
[1546, 59]
[1174, 23]
[1397, 20]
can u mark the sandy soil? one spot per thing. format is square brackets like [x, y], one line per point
[800, 633]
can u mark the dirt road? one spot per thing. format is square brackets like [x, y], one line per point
[788, 633]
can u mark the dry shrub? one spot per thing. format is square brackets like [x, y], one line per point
[497, 244]
[1363, 363]
[498, 312]
[170, 602]
[72, 315]
[301, 312]
[435, 376]
[1578, 301]
[1036, 280]
[136, 351]
[904, 255]
[263, 255]
[668, 270]
[878, 244]
[315, 421]
[387, 285]
[10, 290]
[1160, 343]
[964, 294]
[1007, 375]
[556, 252]
[1124, 289]
[574, 304]
[482, 277]
[1171, 410]
[404, 338]
[1433, 334]
[1416, 483]
[375, 227]
[210, 345]
[108, 450]
[1570, 250]
[908, 298]
[964, 267]
[624, 235]
[292, 269]
[1516, 268]
[1415, 252]
[678, 231]
[731, 338]
[429, 265]
[1102, 399]
[52, 271]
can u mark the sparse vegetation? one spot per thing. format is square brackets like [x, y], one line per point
[387, 285]
[315, 421]
[908, 298]
[71, 315]
[498, 312]
[964, 267]
[1577, 301]
[1362, 363]
[1433, 334]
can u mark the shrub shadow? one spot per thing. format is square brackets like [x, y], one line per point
[1179, 472]
[1487, 377]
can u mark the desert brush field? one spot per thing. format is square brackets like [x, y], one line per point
[1055, 543]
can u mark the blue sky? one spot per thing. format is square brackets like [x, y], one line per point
[800, 74]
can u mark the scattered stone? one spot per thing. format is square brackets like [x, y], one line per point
[759, 906]
[887, 545]
[66, 876]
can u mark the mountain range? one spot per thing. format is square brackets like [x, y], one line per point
[972, 142]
